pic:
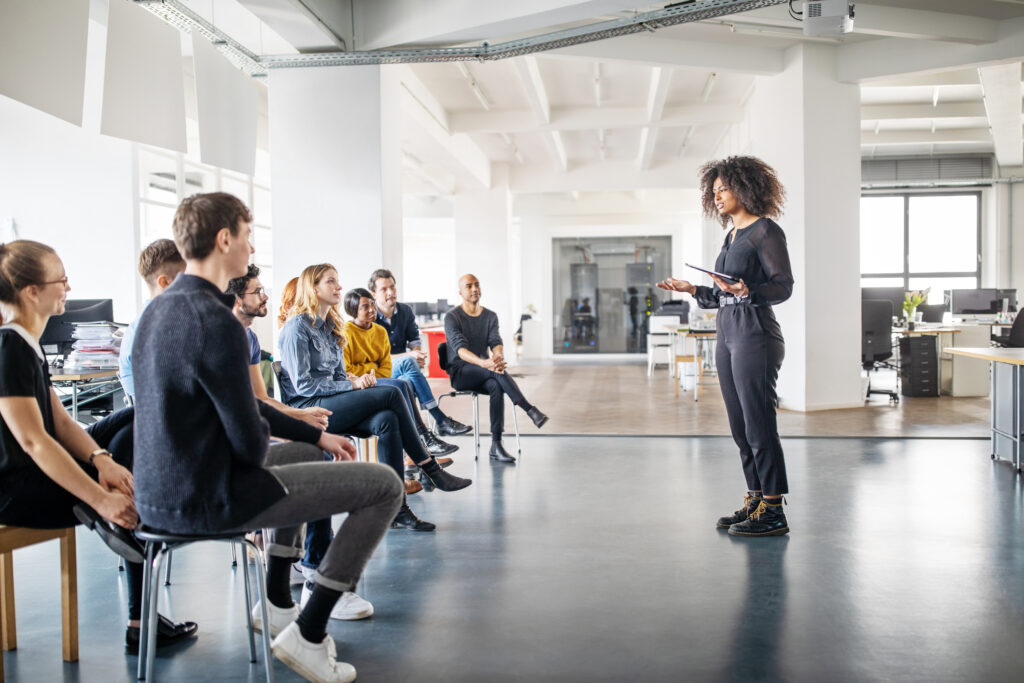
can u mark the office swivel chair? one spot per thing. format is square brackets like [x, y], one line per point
[876, 341]
[1015, 339]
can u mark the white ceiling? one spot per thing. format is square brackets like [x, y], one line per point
[638, 109]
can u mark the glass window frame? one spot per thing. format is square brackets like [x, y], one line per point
[906, 273]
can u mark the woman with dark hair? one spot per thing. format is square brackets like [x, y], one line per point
[369, 350]
[53, 473]
[745, 194]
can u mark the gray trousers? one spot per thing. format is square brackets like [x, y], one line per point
[371, 494]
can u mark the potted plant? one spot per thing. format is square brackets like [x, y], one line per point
[912, 300]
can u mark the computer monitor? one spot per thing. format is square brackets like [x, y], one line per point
[57, 338]
[975, 302]
[420, 307]
[442, 306]
[896, 295]
[1010, 296]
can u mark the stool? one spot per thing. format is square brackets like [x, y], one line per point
[160, 543]
[14, 537]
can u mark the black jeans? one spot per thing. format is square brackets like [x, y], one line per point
[748, 360]
[475, 378]
[380, 411]
[31, 499]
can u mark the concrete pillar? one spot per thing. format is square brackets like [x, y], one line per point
[335, 171]
[806, 125]
[483, 246]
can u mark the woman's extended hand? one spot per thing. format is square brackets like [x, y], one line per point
[113, 477]
[365, 381]
[674, 285]
[739, 289]
[338, 446]
[118, 508]
[316, 416]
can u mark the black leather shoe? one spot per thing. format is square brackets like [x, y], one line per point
[499, 454]
[117, 538]
[167, 633]
[441, 479]
[449, 427]
[407, 519]
[767, 519]
[435, 446]
[539, 418]
[750, 502]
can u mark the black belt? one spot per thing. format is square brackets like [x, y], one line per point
[732, 300]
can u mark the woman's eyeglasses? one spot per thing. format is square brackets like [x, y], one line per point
[63, 281]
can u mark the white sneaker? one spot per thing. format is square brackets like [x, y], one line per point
[279, 617]
[299, 574]
[316, 662]
[350, 607]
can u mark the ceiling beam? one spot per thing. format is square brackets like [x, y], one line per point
[537, 95]
[654, 51]
[307, 25]
[896, 22]
[888, 57]
[887, 112]
[916, 137]
[592, 118]
[606, 176]
[657, 94]
[423, 109]
[1002, 85]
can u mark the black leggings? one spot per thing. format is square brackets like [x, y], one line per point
[31, 499]
[475, 378]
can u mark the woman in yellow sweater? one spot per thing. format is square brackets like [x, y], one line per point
[369, 351]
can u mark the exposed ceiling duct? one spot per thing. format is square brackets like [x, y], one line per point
[179, 15]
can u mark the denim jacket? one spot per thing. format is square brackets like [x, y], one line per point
[313, 363]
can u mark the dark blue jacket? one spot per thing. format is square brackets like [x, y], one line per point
[201, 436]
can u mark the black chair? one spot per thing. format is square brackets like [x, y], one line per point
[442, 359]
[932, 313]
[1014, 340]
[876, 340]
[160, 543]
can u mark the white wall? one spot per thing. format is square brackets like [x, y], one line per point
[430, 272]
[72, 188]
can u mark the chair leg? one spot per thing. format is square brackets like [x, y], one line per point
[261, 586]
[69, 595]
[476, 425]
[147, 579]
[515, 421]
[650, 362]
[234, 557]
[154, 604]
[167, 571]
[7, 621]
[248, 601]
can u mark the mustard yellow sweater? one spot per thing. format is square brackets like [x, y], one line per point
[367, 350]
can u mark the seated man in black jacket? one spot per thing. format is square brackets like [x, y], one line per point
[203, 463]
[476, 361]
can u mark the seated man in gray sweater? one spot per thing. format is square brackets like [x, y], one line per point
[203, 461]
[476, 361]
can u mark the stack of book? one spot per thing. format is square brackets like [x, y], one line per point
[96, 347]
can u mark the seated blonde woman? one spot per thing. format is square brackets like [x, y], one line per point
[369, 350]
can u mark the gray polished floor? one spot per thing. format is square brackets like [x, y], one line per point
[597, 559]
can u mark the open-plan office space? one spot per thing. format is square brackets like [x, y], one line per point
[552, 149]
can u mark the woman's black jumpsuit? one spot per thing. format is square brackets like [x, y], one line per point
[750, 347]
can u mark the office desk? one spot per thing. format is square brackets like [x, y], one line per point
[1007, 398]
[86, 385]
[703, 350]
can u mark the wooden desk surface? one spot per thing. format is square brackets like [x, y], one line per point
[80, 375]
[989, 353]
[930, 330]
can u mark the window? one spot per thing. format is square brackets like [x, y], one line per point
[921, 241]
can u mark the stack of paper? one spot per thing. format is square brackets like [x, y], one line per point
[96, 347]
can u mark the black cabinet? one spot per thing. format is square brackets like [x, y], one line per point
[919, 366]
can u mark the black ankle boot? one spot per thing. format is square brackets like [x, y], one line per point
[407, 519]
[441, 479]
[750, 502]
[435, 446]
[767, 519]
[539, 418]
[498, 452]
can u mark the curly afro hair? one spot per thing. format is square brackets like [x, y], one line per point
[753, 182]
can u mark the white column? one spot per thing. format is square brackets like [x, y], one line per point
[335, 169]
[806, 125]
[482, 247]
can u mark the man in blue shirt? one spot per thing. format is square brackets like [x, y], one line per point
[159, 264]
[407, 359]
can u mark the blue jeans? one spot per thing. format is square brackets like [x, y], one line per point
[408, 369]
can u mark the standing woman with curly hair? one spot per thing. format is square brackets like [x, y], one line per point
[745, 194]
